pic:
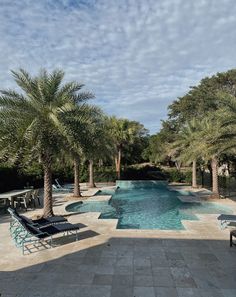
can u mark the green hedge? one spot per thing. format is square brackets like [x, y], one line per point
[175, 175]
[12, 178]
[143, 173]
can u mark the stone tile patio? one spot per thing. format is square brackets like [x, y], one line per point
[106, 262]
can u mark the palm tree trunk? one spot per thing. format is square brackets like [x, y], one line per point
[77, 192]
[118, 163]
[194, 174]
[100, 163]
[215, 185]
[91, 180]
[47, 200]
[178, 165]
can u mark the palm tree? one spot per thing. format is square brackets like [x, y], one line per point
[211, 147]
[100, 145]
[210, 143]
[121, 132]
[79, 131]
[38, 112]
[184, 147]
[206, 139]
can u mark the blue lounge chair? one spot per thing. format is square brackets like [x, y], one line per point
[226, 220]
[42, 222]
[32, 235]
[26, 234]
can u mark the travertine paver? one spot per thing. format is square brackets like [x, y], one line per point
[79, 271]
[106, 262]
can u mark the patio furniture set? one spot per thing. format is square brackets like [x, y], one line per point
[23, 197]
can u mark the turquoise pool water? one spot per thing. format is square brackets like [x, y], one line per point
[148, 206]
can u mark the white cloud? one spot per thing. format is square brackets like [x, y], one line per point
[136, 56]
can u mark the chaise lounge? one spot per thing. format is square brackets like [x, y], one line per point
[24, 233]
[226, 220]
[42, 222]
[32, 235]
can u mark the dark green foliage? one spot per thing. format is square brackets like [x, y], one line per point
[12, 178]
[175, 175]
[188, 177]
[144, 173]
[107, 174]
[200, 102]
[103, 174]
[133, 153]
[157, 150]
[202, 99]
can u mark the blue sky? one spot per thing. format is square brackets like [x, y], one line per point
[137, 56]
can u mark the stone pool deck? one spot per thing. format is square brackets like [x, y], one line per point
[107, 262]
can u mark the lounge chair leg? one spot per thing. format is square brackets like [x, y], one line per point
[231, 239]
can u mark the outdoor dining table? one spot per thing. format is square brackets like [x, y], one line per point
[13, 194]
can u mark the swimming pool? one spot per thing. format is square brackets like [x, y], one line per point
[148, 205]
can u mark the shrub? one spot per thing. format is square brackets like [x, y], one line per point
[188, 177]
[144, 173]
[175, 175]
[13, 178]
[105, 174]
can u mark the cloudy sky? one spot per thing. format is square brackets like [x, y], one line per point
[137, 56]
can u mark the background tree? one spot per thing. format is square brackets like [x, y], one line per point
[127, 136]
[121, 133]
[133, 151]
[158, 150]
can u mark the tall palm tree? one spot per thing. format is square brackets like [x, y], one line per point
[227, 116]
[37, 112]
[78, 129]
[121, 132]
[204, 138]
[184, 147]
[210, 143]
[100, 145]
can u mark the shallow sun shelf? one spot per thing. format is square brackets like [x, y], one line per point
[189, 199]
